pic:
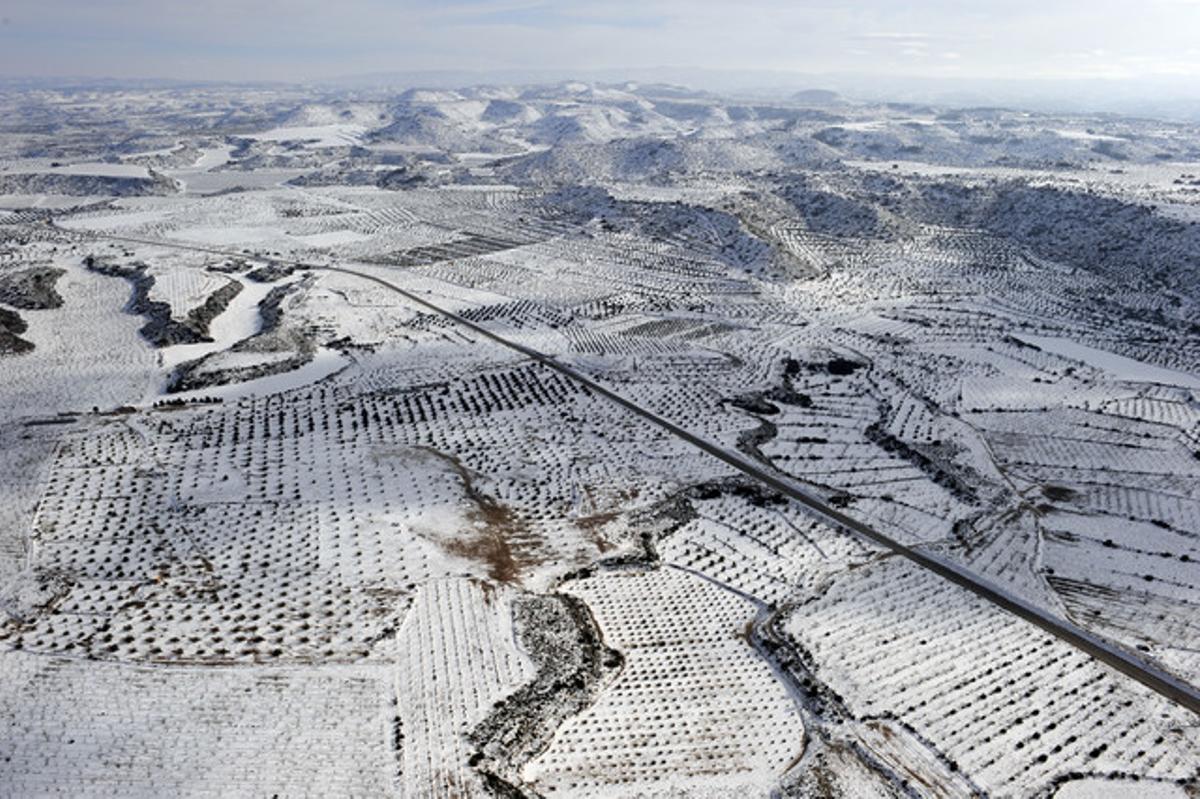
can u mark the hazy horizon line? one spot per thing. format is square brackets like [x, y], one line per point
[1163, 96]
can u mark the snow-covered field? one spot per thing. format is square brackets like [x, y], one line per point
[1116, 365]
[316, 136]
[269, 528]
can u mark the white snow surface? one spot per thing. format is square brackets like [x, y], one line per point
[1117, 365]
[335, 135]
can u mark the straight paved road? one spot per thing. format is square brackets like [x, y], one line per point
[1147, 674]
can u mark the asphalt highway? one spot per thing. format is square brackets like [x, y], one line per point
[1106, 652]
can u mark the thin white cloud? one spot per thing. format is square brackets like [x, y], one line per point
[315, 38]
[895, 36]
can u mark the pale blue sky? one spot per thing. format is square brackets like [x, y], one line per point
[305, 39]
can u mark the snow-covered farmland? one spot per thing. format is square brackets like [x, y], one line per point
[291, 503]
